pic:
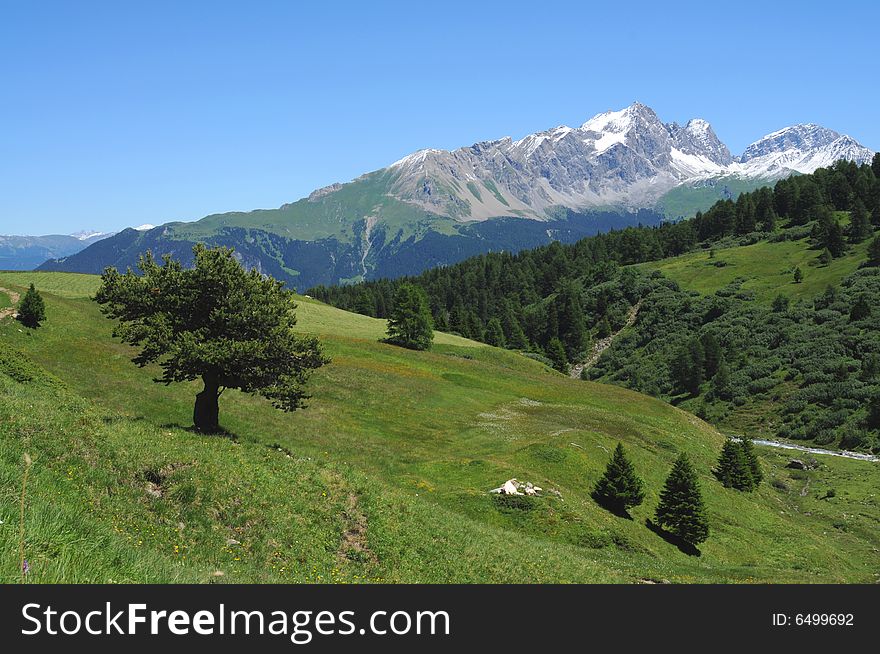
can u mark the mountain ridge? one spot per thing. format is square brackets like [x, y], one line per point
[436, 207]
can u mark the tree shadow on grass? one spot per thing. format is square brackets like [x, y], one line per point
[221, 433]
[672, 539]
[617, 510]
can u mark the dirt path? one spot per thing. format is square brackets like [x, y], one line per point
[13, 297]
[354, 545]
[604, 343]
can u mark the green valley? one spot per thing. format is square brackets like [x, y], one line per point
[384, 477]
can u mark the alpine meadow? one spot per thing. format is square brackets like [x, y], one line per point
[489, 322]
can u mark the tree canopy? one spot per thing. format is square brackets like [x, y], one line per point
[215, 321]
[619, 488]
[681, 510]
[410, 324]
[31, 308]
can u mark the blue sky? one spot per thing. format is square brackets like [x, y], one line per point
[117, 114]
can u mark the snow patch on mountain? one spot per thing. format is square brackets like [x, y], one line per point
[86, 234]
[627, 158]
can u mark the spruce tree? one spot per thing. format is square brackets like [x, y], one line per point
[721, 382]
[681, 510]
[619, 488]
[687, 367]
[780, 304]
[495, 333]
[873, 419]
[711, 353]
[32, 309]
[874, 252]
[751, 455]
[733, 469]
[556, 354]
[410, 324]
[861, 309]
[860, 223]
[798, 275]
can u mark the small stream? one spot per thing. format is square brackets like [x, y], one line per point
[816, 450]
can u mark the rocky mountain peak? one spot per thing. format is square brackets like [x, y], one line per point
[797, 137]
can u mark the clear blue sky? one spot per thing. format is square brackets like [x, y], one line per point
[120, 113]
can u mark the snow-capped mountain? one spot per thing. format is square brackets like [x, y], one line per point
[436, 207]
[627, 158]
[89, 235]
[802, 149]
[28, 252]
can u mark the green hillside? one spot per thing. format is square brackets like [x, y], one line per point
[338, 214]
[767, 268]
[383, 477]
[686, 200]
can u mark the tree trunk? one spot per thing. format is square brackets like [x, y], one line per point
[206, 414]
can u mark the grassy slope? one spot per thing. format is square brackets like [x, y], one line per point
[684, 201]
[768, 267]
[333, 215]
[403, 443]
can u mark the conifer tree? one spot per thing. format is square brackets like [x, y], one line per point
[860, 223]
[410, 324]
[681, 510]
[748, 448]
[619, 488]
[873, 419]
[687, 367]
[32, 309]
[874, 252]
[721, 382]
[495, 333]
[780, 304]
[230, 327]
[870, 367]
[798, 275]
[829, 234]
[861, 309]
[734, 469]
[711, 353]
[556, 354]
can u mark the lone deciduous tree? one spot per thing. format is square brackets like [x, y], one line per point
[31, 309]
[410, 324]
[681, 510]
[619, 488]
[217, 322]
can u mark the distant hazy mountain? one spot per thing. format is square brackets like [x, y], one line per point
[28, 252]
[435, 207]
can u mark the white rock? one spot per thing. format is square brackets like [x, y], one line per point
[510, 488]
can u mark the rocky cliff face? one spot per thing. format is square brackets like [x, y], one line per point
[626, 158]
